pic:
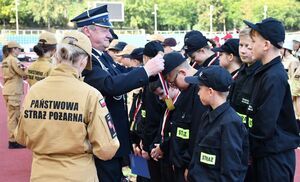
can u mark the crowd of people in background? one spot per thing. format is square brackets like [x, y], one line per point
[208, 112]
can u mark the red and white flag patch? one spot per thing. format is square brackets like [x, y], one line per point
[102, 102]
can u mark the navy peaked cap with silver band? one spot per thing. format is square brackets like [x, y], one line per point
[97, 16]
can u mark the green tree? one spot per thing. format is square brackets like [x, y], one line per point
[6, 12]
[177, 14]
[50, 11]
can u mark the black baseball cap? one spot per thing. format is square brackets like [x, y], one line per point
[169, 42]
[172, 60]
[191, 33]
[137, 54]
[194, 43]
[215, 77]
[152, 48]
[230, 46]
[120, 46]
[271, 30]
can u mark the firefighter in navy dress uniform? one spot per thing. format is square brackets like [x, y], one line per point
[113, 81]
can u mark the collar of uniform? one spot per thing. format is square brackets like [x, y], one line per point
[243, 67]
[10, 56]
[234, 72]
[64, 70]
[207, 61]
[213, 114]
[249, 70]
[276, 60]
[98, 52]
[46, 59]
[291, 57]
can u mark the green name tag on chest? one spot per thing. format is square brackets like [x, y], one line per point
[183, 133]
[207, 158]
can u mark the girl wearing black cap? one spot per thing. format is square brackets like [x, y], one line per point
[199, 51]
[229, 56]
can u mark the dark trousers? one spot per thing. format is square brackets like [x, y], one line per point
[275, 168]
[142, 179]
[154, 169]
[179, 174]
[109, 171]
[249, 174]
[167, 173]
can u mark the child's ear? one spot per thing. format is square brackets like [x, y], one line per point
[230, 56]
[211, 91]
[182, 71]
[267, 45]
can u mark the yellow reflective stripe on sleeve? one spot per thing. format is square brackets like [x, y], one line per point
[207, 158]
[246, 120]
[250, 122]
[183, 133]
[243, 116]
[143, 113]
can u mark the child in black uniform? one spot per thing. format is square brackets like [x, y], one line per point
[229, 56]
[274, 134]
[221, 148]
[184, 118]
[241, 88]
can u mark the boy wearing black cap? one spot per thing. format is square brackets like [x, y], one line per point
[152, 111]
[221, 148]
[229, 56]
[274, 134]
[188, 109]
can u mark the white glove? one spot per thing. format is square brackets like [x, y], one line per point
[155, 65]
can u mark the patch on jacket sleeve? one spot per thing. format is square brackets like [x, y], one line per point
[111, 126]
[102, 102]
[183, 133]
[207, 158]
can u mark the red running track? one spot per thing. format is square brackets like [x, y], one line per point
[15, 164]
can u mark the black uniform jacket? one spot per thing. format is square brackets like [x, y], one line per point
[274, 125]
[114, 81]
[241, 91]
[185, 121]
[221, 148]
[135, 118]
[152, 113]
